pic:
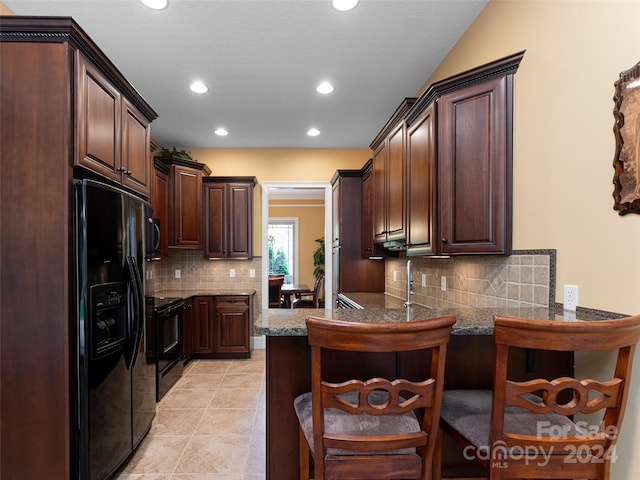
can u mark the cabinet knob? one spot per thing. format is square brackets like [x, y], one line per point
[444, 240]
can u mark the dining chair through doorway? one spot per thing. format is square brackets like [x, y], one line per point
[365, 428]
[275, 291]
[311, 299]
[525, 429]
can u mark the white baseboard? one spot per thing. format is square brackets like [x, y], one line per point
[258, 343]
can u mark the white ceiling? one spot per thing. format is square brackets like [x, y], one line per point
[262, 60]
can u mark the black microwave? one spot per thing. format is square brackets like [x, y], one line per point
[153, 236]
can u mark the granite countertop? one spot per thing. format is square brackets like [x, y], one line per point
[385, 308]
[201, 293]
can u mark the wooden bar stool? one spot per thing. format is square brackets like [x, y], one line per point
[525, 429]
[368, 428]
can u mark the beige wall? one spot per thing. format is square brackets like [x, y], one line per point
[563, 152]
[310, 226]
[279, 165]
[4, 10]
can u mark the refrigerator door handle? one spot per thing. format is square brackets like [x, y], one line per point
[138, 310]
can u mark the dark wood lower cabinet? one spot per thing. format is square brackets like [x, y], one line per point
[202, 325]
[187, 330]
[469, 366]
[217, 327]
[232, 326]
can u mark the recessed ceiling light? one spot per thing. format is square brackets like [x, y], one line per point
[324, 87]
[198, 87]
[344, 5]
[313, 132]
[221, 131]
[156, 4]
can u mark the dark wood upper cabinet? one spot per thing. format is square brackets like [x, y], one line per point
[475, 169]
[379, 216]
[422, 206]
[113, 135]
[389, 178]
[457, 161]
[396, 185]
[187, 205]
[228, 217]
[185, 201]
[136, 158]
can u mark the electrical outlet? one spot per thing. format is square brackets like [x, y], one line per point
[570, 297]
[232, 272]
[443, 283]
[424, 279]
[395, 276]
[177, 274]
[252, 273]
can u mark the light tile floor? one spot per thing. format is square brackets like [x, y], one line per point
[210, 426]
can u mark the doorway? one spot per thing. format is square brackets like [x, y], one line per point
[296, 190]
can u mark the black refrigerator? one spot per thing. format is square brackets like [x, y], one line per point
[115, 382]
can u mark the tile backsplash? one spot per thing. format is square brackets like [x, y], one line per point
[526, 278]
[199, 273]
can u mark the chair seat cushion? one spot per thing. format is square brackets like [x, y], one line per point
[469, 413]
[339, 421]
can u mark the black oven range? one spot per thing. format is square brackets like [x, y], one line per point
[164, 327]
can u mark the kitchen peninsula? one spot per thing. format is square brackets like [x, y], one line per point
[469, 360]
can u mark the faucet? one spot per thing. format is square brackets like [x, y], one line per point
[410, 292]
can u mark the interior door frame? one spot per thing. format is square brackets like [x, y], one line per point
[328, 209]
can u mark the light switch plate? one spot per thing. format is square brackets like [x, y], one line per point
[232, 272]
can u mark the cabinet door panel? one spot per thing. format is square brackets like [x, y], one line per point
[188, 207]
[232, 331]
[203, 325]
[421, 181]
[232, 325]
[396, 186]
[380, 194]
[474, 169]
[135, 150]
[240, 220]
[99, 122]
[215, 206]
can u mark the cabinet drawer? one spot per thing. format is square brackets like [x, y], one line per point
[232, 301]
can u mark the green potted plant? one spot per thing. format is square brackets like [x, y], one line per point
[318, 258]
[165, 152]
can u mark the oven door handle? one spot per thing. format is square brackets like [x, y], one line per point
[174, 308]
